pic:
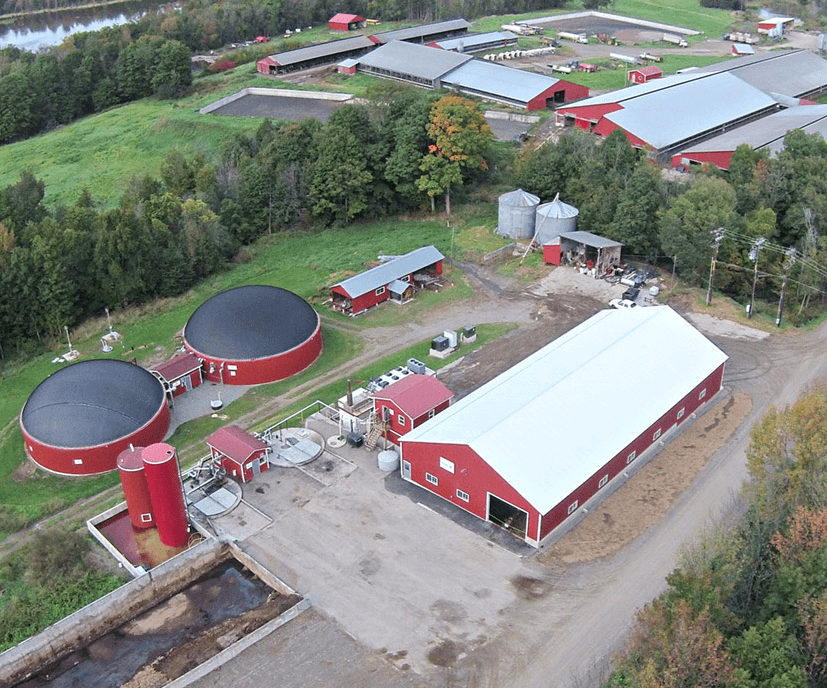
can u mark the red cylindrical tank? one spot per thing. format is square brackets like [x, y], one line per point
[135, 490]
[166, 493]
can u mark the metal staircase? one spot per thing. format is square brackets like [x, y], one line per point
[377, 427]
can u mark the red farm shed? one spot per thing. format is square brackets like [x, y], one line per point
[533, 445]
[396, 279]
[180, 374]
[241, 454]
[346, 22]
[407, 404]
[254, 334]
[640, 75]
[80, 418]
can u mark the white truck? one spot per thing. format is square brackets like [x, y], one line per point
[674, 38]
[576, 37]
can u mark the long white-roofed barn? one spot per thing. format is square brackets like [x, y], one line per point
[533, 445]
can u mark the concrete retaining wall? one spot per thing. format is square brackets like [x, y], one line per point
[109, 612]
[511, 116]
[278, 92]
[617, 17]
[500, 251]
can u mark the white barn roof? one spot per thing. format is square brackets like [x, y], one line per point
[555, 418]
[499, 81]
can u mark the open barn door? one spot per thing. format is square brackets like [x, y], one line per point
[507, 516]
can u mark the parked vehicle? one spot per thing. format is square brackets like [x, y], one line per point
[622, 303]
[630, 294]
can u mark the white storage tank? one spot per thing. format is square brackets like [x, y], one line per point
[516, 214]
[388, 460]
[553, 219]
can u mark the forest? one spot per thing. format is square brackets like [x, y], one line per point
[748, 608]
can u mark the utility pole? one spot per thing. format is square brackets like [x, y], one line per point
[717, 238]
[753, 256]
[787, 265]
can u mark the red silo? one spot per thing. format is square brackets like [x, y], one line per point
[135, 490]
[166, 493]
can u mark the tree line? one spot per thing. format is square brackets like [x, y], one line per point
[90, 72]
[622, 195]
[748, 609]
[59, 266]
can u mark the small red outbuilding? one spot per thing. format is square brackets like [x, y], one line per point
[239, 453]
[346, 22]
[179, 374]
[643, 74]
[407, 404]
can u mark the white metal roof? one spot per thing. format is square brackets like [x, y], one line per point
[413, 60]
[474, 41]
[498, 80]
[667, 117]
[555, 418]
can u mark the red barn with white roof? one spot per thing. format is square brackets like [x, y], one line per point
[345, 22]
[533, 445]
[239, 453]
[179, 374]
[641, 75]
[407, 404]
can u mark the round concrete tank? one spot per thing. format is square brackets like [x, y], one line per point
[388, 460]
[166, 493]
[553, 219]
[515, 218]
[135, 490]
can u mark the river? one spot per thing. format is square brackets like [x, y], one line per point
[33, 32]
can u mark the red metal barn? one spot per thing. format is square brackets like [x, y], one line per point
[407, 404]
[254, 334]
[80, 418]
[367, 289]
[180, 374]
[641, 75]
[532, 446]
[345, 22]
[242, 455]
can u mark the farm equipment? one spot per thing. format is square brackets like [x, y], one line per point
[675, 39]
[651, 58]
[576, 37]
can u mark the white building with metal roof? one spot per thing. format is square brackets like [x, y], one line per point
[417, 64]
[533, 445]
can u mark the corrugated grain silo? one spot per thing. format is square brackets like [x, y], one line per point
[515, 218]
[553, 219]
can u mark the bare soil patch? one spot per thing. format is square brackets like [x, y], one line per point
[641, 502]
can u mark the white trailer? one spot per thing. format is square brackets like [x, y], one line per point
[623, 58]
[576, 37]
[674, 38]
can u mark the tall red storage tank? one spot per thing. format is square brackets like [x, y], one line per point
[135, 490]
[166, 493]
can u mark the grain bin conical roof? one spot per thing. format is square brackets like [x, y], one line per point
[516, 214]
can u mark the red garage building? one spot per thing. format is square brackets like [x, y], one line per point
[394, 279]
[80, 418]
[641, 75]
[180, 374]
[533, 445]
[345, 22]
[239, 453]
[254, 334]
[407, 404]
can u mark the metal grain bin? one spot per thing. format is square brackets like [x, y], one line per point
[516, 214]
[553, 219]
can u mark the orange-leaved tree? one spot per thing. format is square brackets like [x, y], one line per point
[459, 141]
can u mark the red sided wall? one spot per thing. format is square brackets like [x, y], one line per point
[260, 370]
[264, 64]
[471, 474]
[590, 487]
[395, 429]
[571, 91]
[551, 254]
[242, 472]
[166, 492]
[720, 159]
[586, 116]
[97, 459]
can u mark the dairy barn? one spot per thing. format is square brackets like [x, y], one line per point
[532, 446]
[254, 334]
[80, 418]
